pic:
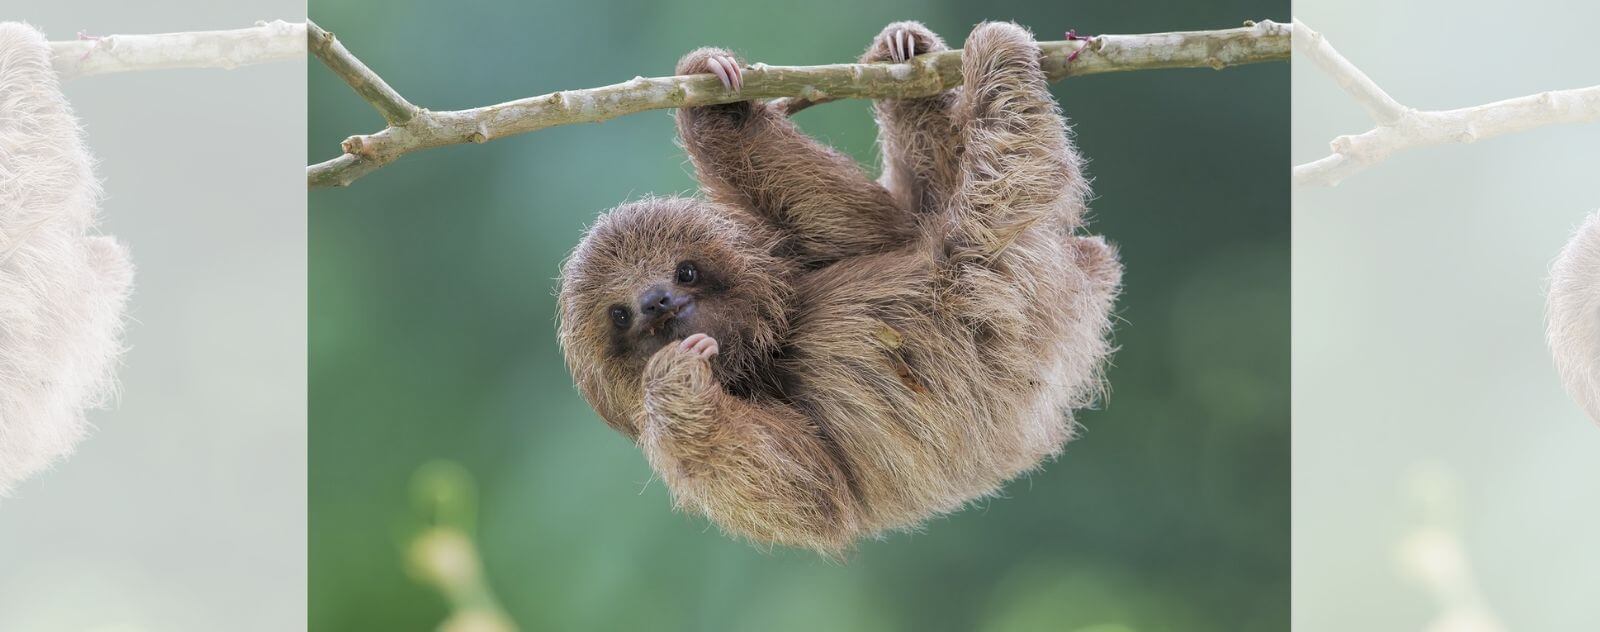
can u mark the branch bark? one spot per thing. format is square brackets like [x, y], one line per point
[1400, 128]
[267, 41]
[798, 86]
[396, 110]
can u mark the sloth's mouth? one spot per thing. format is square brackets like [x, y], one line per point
[669, 322]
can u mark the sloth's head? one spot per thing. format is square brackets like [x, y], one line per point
[655, 271]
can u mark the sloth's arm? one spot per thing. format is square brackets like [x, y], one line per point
[919, 138]
[760, 470]
[749, 155]
[1018, 167]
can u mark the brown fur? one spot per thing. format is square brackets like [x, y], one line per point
[889, 351]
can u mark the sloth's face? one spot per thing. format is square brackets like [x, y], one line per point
[653, 272]
[690, 298]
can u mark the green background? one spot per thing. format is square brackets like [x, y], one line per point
[432, 336]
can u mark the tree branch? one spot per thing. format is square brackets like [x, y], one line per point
[396, 110]
[267, 41]
[799, 86]
[1400, 128]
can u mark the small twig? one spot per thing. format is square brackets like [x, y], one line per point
[1379, 105]
[396, 110]
[798, 87]
[1400, 128]
[267, 41]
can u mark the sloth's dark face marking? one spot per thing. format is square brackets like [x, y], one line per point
[673, 307]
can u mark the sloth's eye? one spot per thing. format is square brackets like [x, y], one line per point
[687, 273]
[620, 316]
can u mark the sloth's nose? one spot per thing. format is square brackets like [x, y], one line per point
[659, 302]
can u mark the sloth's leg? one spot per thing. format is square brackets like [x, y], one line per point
[751, 156]
[1017, 167]
[919, 138]
[758, 469]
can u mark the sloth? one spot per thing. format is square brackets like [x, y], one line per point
[1574, 316]
[809, 357]
[63, 287]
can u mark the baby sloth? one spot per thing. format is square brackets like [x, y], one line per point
[809, 357]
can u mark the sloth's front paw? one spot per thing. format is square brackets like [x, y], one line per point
[715, 61]
[681, 369]
[901, 41]
[700, 345]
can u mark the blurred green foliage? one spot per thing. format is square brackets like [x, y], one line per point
[432, 336]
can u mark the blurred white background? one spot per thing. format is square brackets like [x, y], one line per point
[185, 509]
[1426, 408]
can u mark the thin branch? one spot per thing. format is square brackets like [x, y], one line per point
[267, 41]
[396, 110]
[1379, 105]
[800, 86]
[1400, 128]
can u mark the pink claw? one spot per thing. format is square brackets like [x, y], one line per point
[727, 70]
[902, 46]
[701, 345]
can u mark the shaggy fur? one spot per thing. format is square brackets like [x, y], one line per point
[1574, 313]
[62, 289]
[889, 351]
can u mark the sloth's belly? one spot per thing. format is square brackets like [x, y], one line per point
[913, 395]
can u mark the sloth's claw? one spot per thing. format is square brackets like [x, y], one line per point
[727, 70]
[720, 72]
[700, 345]
[902, 46]
[900, 42]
